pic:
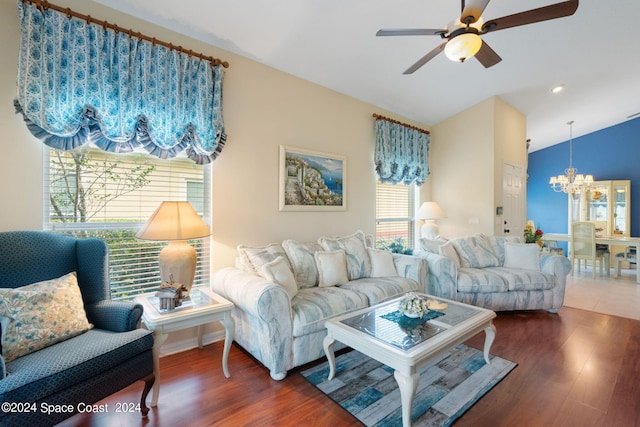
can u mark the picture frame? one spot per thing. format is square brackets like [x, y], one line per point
[312, 180]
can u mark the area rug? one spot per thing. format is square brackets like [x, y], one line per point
[448, 386]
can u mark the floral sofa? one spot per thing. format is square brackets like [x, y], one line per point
[284, 292]
[498, 273]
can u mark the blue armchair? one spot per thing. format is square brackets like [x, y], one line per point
[49, 385]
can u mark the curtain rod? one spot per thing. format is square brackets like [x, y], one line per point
[44, 5]
[379, 117]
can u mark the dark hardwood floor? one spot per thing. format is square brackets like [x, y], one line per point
[576, 368]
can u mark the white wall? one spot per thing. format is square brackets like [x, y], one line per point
[466, 165]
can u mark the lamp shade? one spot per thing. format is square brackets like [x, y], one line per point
[430, 210]
[174, 221]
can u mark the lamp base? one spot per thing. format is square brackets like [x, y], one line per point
[177, 263]
[430, 229]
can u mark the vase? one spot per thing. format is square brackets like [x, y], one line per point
[411, 314]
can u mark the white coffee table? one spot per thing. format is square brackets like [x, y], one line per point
[407, 349]
[205, 306]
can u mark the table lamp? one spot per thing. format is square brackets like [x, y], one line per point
[429, 212]
[176, 222]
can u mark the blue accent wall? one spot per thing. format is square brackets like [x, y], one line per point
[608, 154]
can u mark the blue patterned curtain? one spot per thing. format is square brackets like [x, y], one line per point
[80, 83]
[401, 153]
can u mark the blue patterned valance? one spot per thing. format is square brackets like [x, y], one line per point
[79, 82]
[401, 153]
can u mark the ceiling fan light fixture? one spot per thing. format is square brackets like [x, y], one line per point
[463, 46]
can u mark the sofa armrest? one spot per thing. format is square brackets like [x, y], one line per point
[560, 267]
[265, 311]
[442, 278]
[411, 267]
[253, 294]
[116, 316]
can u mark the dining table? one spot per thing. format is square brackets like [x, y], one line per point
[605, 240]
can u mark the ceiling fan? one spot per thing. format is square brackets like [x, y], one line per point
[463, 35]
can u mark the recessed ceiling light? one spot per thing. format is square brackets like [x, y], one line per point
[557, 89]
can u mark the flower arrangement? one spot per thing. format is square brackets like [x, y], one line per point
[532, 234]
[413, 305]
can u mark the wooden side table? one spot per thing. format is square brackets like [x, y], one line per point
[205, 306]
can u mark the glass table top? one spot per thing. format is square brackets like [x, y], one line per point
[385, 323]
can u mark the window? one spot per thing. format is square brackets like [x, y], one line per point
[394, 216]
[93, 193]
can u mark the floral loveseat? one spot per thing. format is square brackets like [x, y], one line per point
[497, 273]
[284, 292]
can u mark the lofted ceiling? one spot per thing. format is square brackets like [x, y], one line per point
[594, 53]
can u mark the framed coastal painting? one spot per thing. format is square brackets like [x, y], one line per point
[312, 181]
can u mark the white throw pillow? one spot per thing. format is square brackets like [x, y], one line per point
[332, 268]
[278, 272]
[523, 256]
[447, 250]
[382, 264]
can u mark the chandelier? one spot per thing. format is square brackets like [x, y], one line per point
[571, 182]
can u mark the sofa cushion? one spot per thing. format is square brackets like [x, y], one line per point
[449, 251]
[524, 280]
[475, 251]
[311, 307]
[524, 256]
[54, 369]
[355, 247]
[278, 272]
[382, 264]
[382, 288]
[332, 268]
[480, 280]
[41, 314]
[252, 258]
[303, 262]
[497, 244]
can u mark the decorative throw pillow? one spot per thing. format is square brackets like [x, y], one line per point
[475, 252]
[41, 314]
[497, 244]
[332, 268]
[447, 250]
[278, 272]
[302, 261]
[524, 256]
[252, 258]
[382, 264]
[355, 248]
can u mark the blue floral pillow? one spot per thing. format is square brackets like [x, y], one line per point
[39, 315]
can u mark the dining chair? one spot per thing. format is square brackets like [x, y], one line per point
[583, 247]
[629, 255]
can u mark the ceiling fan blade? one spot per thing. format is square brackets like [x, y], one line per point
[472, 9]
[428, 57]
[487, 56]
[553, 11]
[411, 32]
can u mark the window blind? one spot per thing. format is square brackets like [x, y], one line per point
[93, 193]
[394, 214]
